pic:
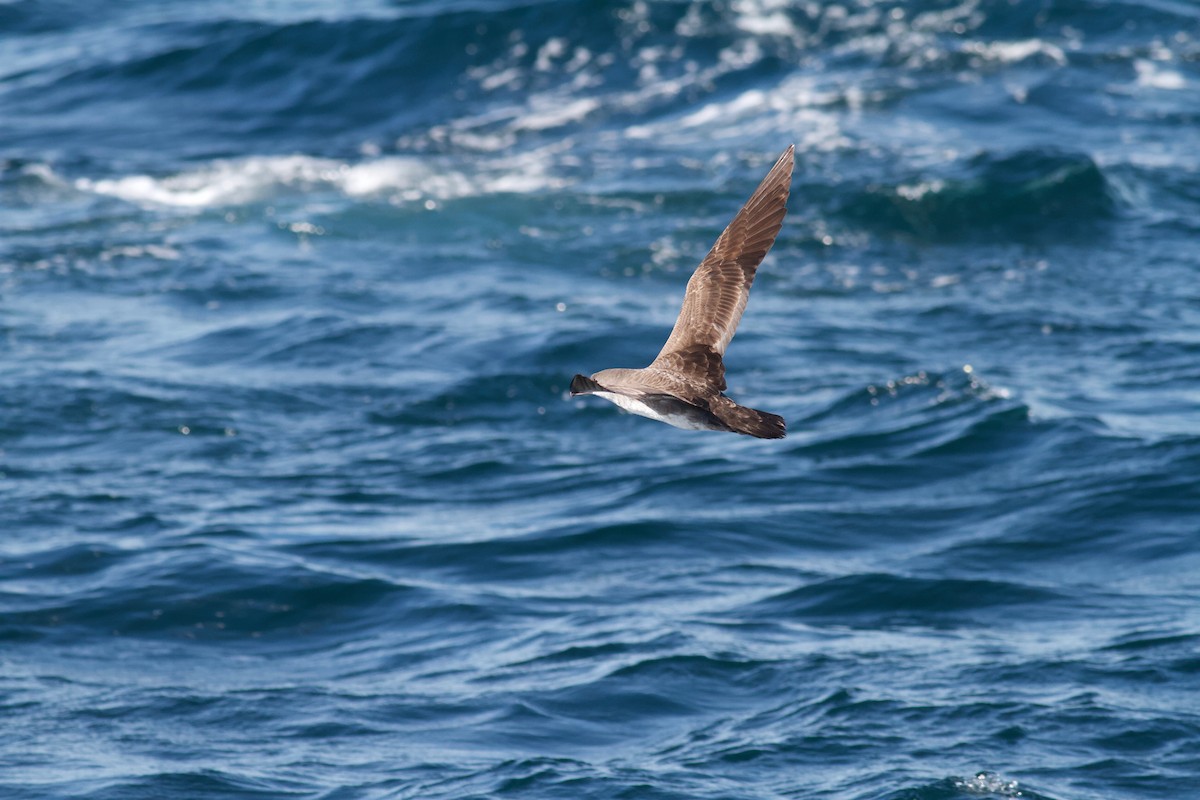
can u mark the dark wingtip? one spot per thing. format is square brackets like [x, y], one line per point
[760, 424]
[581, 384]
[770, 427]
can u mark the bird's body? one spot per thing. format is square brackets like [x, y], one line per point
[664, 408]
[684, 385]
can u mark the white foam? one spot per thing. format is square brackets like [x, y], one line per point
[551, 51]
[45, 173]
[160, 252]
[508, 77]
[1014, 52]
[795, 106]
[543, 116]
[398, 179]
[988, 783]
[764, 17]
[915, 191]
[1151, 75]
[223, 182]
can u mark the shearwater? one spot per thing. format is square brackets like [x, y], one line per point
[684, 385]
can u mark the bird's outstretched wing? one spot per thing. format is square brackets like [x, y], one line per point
[719, 288]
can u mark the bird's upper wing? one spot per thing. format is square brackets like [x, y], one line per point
[719, 288]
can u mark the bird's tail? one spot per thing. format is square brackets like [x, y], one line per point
[751, 421]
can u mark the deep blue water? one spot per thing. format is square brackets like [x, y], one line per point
[293, 503]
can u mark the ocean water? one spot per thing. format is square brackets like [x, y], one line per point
[293, 501]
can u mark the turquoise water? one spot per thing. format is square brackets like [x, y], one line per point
[294, 504]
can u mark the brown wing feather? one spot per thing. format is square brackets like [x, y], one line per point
[719, 288]
[699, 363]
[749, 421]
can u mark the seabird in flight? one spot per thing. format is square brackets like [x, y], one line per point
[683, 386]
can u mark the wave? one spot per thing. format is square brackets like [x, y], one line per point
[400, 180]
[877, 599]
[505, 74]
[926, 414]
[200, 782]
[1012, 196]
[195, 591]
[982, 784]
[297, 449]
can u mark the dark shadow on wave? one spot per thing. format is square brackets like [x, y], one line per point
[875, 597]
[1025, 195]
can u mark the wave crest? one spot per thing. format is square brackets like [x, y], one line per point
[1011, 196]
[396, 179]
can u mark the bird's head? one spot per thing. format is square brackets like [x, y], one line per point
[581, 384]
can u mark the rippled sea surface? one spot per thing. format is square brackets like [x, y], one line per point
[293, 502]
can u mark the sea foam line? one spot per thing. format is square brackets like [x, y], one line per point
[398, 179]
